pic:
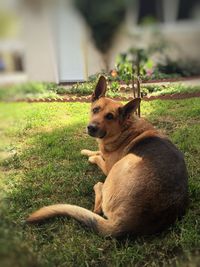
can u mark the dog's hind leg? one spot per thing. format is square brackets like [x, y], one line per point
[90, 153]
[98, 198]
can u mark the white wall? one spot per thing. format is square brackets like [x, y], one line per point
[71, 43]
[40, 57]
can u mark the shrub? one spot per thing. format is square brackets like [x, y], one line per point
[114, 87]
[182, 68]
[27, 90]
[79, 88]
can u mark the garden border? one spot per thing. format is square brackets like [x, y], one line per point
[87, 99]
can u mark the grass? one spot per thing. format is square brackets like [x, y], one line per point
[41, 164]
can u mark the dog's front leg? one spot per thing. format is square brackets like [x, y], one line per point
[90, 153]
[100, 163]
[98, 198]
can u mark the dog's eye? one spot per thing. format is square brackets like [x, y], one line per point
[109, 116]
[96, 110]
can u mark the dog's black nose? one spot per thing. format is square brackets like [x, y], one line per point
[92, 128]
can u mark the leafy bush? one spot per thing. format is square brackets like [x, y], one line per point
[156, 89]
[157, 75]
[114, 87]
[127, 64]
[28, 90]
[182, 68]
[83, 88]
[87, 88]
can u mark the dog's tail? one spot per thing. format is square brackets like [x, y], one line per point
[88, 218]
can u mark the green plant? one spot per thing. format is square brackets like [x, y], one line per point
[133, 64]
[157, 89]
[83, 88]
[28, 90]
[114, 86]
[124, 68]
[182, 68]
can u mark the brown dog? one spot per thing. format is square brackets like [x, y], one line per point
[146, 186]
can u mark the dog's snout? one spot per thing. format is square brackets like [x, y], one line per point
[92, 128]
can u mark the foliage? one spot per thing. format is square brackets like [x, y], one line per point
[158, 75]
[94, 77]
[103, 17]
[182, 68]
[41, 164]
[124, 68]
[83, 88]
[164, 68]
[87, 88]
[164, 89]
[114, 86]
[28, 90]
[135, 61]
[51, 90]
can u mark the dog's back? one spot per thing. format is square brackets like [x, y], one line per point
[163, 183]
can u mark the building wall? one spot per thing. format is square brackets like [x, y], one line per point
[71, 43]
[39, 53]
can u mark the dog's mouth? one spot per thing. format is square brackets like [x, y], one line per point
[98, 134]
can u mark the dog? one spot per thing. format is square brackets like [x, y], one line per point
[146, 189]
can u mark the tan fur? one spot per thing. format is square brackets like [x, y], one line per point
[146, 186]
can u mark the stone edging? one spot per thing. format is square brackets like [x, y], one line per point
[86, 99]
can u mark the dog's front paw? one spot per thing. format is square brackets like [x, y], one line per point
[92, 159]
[85, 152]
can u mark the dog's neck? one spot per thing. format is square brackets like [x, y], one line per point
[131, 130]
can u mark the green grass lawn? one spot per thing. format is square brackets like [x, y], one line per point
[41, 164]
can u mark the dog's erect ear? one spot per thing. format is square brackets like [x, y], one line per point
[100, 89]
[129, 108]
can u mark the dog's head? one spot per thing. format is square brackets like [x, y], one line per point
[107, 115]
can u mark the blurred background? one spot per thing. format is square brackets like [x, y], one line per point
[70, 40]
